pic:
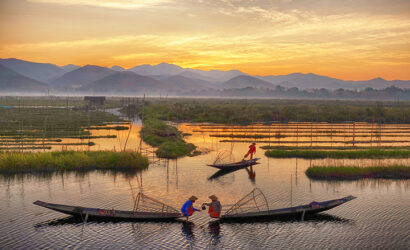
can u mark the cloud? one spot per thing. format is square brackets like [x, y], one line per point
[118, 4]
[257, 35]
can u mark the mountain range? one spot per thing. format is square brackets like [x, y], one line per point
[31, 77]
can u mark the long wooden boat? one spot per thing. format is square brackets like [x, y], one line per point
[108, 214]
[298, 211]
[235, 165]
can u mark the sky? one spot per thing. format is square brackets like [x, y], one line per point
[346, 39]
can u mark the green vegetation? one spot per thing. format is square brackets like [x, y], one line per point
[332, 148]
[243, 112]
[14, 162]
[60, 101]
[339, 154]
[22, 125]
[168, 140]
[353, 173]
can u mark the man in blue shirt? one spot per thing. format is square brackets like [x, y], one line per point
[188, 209]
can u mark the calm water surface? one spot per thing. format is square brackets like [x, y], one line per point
[378, 219]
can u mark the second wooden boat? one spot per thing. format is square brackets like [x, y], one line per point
[235, 165]
[260, 211]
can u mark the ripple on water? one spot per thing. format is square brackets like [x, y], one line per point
[378, 218]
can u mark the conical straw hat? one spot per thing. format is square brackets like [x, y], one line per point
[193, 198]
[213, 197]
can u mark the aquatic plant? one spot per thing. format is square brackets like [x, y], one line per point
[26, 124]
[354, 172]
[16, 162]
[168, 140]
[339, 154]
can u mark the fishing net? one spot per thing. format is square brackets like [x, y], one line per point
[255, 201]
[224, 157]
[145, 203]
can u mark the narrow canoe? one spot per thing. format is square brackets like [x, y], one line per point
[235, 165]
[108, 214]
[298, 211]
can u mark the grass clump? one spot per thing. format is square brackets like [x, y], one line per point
[166, 138]
[15, 162]
[354, 173]
[339, 154]
[174, 149]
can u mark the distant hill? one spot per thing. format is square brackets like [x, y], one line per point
[117, 68]
[166, 69]
[186, 83]
[244, 81]
[160, 69]
[127, 82]
[172, 78]
[217, 75]
[304, 81]
[377, 83]
[11, 81]
[42, 72]
[193, 75]
[69, 67]
[81, 77]
[313, 81]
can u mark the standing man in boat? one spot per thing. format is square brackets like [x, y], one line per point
[215, 207]
[252, 150]
[188, 207]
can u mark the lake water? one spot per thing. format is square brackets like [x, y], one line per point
[378, 219]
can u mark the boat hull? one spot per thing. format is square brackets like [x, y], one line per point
[107, 214]
[291, 212]
[235, 165]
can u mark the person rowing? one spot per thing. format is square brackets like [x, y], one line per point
[188, 208]
[215, 207]
[251, 151]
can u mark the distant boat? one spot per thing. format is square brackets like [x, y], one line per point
[235, 165]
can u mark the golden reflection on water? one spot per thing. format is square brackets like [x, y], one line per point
[308, 135]
[380, 205]
[174, 180]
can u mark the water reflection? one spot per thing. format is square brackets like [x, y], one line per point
[320, 217]
[352, 225]
[249, 170]
[79, 174]
[363, 184]
[214, 229]
[188, 229]
[251, 173]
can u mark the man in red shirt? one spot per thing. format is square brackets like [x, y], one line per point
[215, 207]
[252, 150]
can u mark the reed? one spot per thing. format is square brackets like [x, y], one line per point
[14, 162]
[339, 154]
[354, 172]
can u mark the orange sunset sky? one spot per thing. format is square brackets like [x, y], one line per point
[346, 39]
